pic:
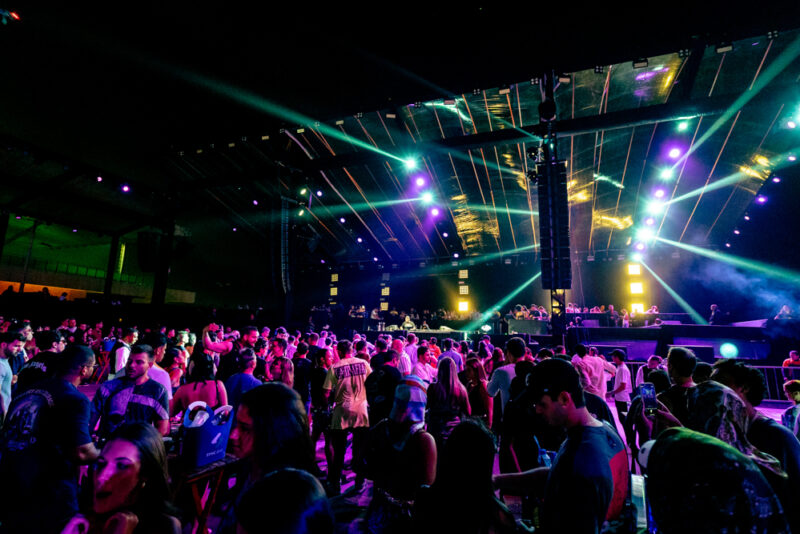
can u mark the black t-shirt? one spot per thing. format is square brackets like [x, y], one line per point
[676, 399]
[38, 479]
[40, 367]
[302, 377]
[599, 408]
[379, 359]
[588, 482]
[380, 386]
[318, 375]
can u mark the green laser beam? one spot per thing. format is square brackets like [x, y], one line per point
[485, 316]
[736, 177]
[674, 294]
[789, 54]
[489, 209]
[251, 99]
[771, 271]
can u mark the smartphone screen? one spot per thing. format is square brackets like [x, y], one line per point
[648, 393]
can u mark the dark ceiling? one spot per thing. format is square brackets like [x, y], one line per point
[203, 105]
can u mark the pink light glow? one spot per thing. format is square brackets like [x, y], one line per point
[737, 232]
[455, 255]
[792, 158]
[435, 212]
[639, 246]
[420, 181]
[675, 153]
[126, 188]
[776, 179]
[445, 234]
[761, 199]
[649, 221]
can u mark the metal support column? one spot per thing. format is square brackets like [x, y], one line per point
[111, 267]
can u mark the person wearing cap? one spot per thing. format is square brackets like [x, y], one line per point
[46, 437]
[589, 479]
[401, 458]
[243, 381]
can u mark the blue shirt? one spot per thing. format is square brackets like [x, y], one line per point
[239, 384]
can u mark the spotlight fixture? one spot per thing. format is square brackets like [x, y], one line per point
[684, 53]
[99, 179]
[598, 69]
[675, 153]
[445, 234]
[639, 246]
[776, 179]
[535, 81]
[435, 212]
[235, 229]
[640, 63]
[637, 257]
[683, 126]
[660, 193]
[727, 245]
[772, 34]
[427, 197]
[126, 188]
[792, 158]
[761, 199]
[410, 164]
[304, 191]
[375, 258]
[301, 213]
[650, 221]
[791, 124]
[667, 174]
[655, 207]
[319, 193]
[322, 261]
[74, 230]
[341, 220]
[505, 90]
[564, 78]
[420, 181]
[455, 255]
[359, 240]
[255, 203]
[746, 217]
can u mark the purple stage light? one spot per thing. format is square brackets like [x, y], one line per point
[420, 181]
[660, 193]
[645, 76]
[341, 220]
[727, 245]
[234, 228]
[319, 193]
[99, 179]
[776, 179]
[737, 232]
[675, 153]
[445, 234]
[74, 230]
[255, 203]
[640, 246]
[126, 188]
[375, 258]
[360, 240]
[322, 261]
[649, 221]
[17, 217]
[746, 217]
[761, 199]
[455, 254]
[435, 212]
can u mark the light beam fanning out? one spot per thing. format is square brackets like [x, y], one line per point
[485, 316]
[773, 271]
[674, 294]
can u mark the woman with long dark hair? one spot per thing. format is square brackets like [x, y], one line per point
[462, 499]
[202, 386]
[270, 432]
[479, 400]
[448, 401]
[129, 487]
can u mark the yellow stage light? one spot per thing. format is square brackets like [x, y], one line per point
[463, 290]
[637, 308]
[384, 306]
[463, 305]
[634, 269]
[334, 291]
[637, 288]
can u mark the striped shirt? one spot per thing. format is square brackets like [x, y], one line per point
[123, 401]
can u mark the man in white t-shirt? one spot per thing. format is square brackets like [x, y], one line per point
[344, 386]
[622, 385]
[159, 344]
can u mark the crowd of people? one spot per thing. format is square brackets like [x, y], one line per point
[425, 418]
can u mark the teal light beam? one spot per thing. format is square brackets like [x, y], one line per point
[252, 100]
[485, 316]
[789, 54]
[736, 177]
[489, 209]
[674, 294]
[772, 271]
